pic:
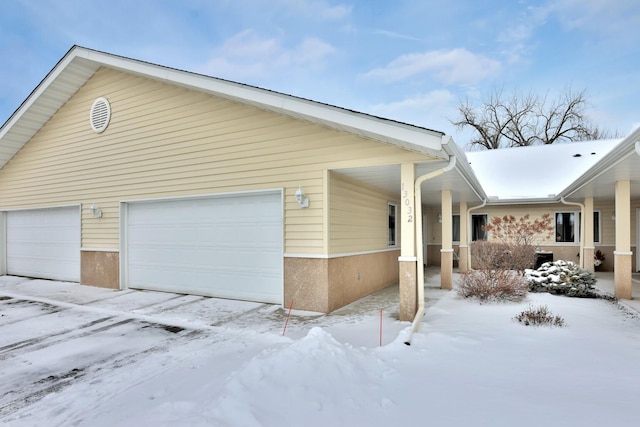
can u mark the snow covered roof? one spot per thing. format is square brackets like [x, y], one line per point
[538, 173]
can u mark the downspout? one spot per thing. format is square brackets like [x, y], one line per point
[582, 231]
[484, 203]
[419, 242]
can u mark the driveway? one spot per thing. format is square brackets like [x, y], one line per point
[68, 350]
[57, 334]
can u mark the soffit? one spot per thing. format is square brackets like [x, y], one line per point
[387, 178]
[602, 186]
[41, 105]
[621, 164]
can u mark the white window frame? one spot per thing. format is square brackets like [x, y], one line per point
[576, 226]
[453, 227]
[392, 241]
[471, 227]
[597, 222]
[597, 237]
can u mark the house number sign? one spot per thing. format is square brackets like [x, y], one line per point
[407, 203]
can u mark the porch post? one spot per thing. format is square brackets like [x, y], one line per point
[586, 257]
[463, 253]
[446, 253]
[408, 260]
[622, 254]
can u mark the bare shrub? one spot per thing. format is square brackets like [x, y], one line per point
[516, 238]
[499, 263]
[493, 285]
[502, 256]
[520, 231]
[540, 316]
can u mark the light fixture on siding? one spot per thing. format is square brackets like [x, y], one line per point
[95, 212]
[302, 200]
[439, 218]
[613, 217]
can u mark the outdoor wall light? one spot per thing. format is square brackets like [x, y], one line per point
[303, 201]
[95, 212]
[439, 218]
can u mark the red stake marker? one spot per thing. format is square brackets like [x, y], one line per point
[380, 327]
[288, 315]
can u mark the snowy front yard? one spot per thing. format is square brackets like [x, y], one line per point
[79, 356]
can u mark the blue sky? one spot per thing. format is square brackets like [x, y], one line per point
[412, 61]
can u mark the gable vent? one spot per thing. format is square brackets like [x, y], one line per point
[100, 115]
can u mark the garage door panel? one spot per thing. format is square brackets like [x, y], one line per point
[229, 246]
[44, 243]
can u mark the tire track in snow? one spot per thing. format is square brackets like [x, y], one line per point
[16, 399]
[46, 308]
[33, 341]
[46, 341]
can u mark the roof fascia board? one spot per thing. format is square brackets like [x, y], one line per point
[37, 92]
[625, 149]
[404, 135]
[532, 201]
[462, 166]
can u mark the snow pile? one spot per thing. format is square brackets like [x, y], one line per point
[317, 381]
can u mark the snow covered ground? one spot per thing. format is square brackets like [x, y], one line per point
[78, 356]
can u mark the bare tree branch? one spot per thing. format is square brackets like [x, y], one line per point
[528, 120]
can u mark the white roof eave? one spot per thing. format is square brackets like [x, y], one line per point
[399, 134]
[462, 166]
[79, 64]
[629, 146]
[492, 201]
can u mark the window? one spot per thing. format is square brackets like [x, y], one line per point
[596, 226]
[455, 225]
[478, 221]
[393, 229]
[567, 230]
[566, 227]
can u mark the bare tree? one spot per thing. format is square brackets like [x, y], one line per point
[528, 120]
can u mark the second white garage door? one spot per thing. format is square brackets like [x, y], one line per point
[44, 243]
[227, 246]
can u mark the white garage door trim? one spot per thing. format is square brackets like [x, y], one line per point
[226, 245]
[43, 243]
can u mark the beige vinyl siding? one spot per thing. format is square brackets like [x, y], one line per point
[534, 212]
[606, 210]
[607, 224]
[358, 216]
[166, 141]
[635, 205]
[518, 211]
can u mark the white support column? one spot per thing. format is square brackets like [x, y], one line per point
[586, 257]
[463, 254]
[446, 253]
[622, 254]
[407, 260]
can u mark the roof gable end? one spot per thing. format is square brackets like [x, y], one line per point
[80, 63]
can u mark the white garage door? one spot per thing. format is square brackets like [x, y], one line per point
[44, 243]
[227, 246]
